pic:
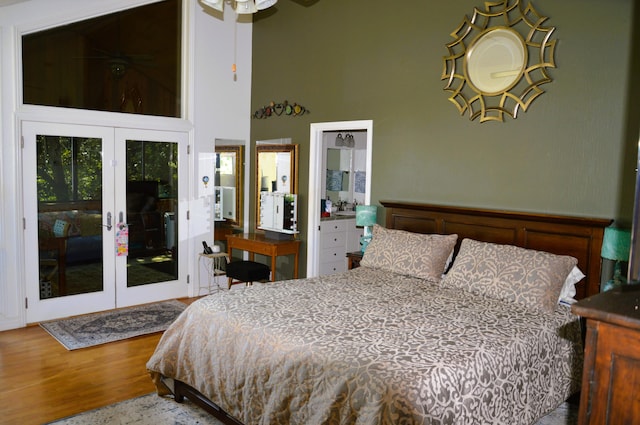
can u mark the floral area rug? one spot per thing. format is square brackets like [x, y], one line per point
[149, 409]
[101, 328]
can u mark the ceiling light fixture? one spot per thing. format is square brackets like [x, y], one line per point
[241, 6]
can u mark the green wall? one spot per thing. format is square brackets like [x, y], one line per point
[573, 152]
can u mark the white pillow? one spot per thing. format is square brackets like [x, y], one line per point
[569, 288]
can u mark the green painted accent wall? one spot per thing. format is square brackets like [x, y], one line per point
[573, 152]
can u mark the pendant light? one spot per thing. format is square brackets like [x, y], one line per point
[241, 7]
[263, 4]
[245, 7]
[216, 4]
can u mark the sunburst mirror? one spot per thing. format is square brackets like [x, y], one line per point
[498, 60]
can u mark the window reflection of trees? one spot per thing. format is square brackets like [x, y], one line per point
[69, 168]
[154, 161]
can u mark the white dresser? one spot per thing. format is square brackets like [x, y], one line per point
[337, 237]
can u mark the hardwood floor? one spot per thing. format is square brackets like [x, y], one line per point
[41, 381]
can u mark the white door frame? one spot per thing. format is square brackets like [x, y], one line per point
[317, 173]
[128, 296]
[47, 309]
[113, 295]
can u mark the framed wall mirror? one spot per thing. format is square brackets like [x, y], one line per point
[498, 60]
[276, 171]
[229, 183]
[346, 169]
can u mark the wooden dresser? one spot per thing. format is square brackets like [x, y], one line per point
[611, 376]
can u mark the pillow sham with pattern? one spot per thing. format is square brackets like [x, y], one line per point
[412, 254]
[527, 277]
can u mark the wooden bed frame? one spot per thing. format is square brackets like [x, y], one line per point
[579, 237]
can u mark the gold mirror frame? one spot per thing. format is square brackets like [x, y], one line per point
[265, 157]
[507, 23]
[238, 168]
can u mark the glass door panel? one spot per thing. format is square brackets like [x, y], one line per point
[153, 161]
[69, 188]
[67, 267]
[152, 193]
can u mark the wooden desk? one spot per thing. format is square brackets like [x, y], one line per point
[256, 243]
[221, 231]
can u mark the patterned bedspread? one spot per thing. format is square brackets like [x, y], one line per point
[370, 347]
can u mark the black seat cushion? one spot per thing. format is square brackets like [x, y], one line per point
[248, 271]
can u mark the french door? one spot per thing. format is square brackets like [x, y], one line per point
[102, 219]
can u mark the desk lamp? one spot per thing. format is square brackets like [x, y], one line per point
[366, 216]
[616, 246]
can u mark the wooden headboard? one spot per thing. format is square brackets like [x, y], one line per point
[579, 237]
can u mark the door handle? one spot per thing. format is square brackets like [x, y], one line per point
[108, 225]
[121, 222]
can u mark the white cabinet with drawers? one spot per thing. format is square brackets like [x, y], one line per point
[337, 237]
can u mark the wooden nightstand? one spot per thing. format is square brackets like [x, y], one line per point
[353, 259]
[611, 374]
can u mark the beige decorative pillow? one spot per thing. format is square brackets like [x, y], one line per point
[407, 253]
[526, 277]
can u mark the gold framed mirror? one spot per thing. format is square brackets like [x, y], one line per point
[229, 179]
[276, 171]
[498, 60]
[495, 61]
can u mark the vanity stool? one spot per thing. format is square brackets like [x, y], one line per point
[247, 272]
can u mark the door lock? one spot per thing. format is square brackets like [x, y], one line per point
[108, 225]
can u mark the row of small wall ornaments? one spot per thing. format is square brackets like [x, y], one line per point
[498, 60]
[278, 109]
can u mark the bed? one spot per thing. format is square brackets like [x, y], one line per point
[398, 341]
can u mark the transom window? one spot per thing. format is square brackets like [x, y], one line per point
[127, 61]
